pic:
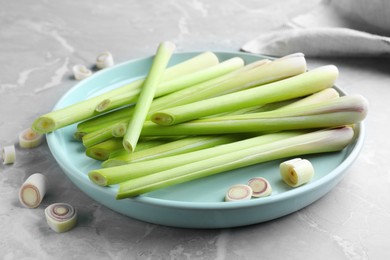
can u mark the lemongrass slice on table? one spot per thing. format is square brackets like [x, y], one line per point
[8, 154]
[260, 187]
[33, 190]
[61, 217]
[296, 172]
[28, 138]
[104, 60]
[238, 192]
[81, 72]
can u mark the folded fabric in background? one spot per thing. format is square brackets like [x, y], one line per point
[343, 28]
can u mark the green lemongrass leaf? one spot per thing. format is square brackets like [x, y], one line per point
[293, 87]
[160, 62]
[115, 175]
[87, 108]
[310, 143]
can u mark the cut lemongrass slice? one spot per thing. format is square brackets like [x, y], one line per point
[28, 138]
[8, 154]
[81, 72]
[61, 217]
[104, 60]
[33, 190]
[260, 187]
[238, 192]
[296, 172]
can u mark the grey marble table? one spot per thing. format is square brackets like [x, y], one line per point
[41, 40]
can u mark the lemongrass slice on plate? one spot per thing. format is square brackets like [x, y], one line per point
[238, 192]
[8, 154]
[260, 187]
[61, 217]
[81, 72]
[104, 60]
[33, 190]
[296, 172]
[28, 138]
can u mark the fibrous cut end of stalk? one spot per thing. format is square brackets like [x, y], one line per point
[44, 125]
[29, 138]
[162, 119]
[239, 192]
[103, 105]
[97, 178]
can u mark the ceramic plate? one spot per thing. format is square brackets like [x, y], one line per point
[199, 203]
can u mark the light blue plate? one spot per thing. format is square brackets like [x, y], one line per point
[196, 204]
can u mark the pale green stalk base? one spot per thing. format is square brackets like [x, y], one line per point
[316, 142]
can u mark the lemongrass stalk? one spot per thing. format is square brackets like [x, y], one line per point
[105, 120]
[142, 145]
[315, 142]
[184, 145]
[118, 174]
[297, 86]
[87, 109]
[97, 136]
[103, 150]
[175, 84]
[160, 62]
[332, 113]
[262, 125]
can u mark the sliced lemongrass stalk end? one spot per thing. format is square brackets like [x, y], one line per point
[81, 72]
[8, 154]
[97, 178]
[33, 190]
[296, 172]
[29, 138]
[260, 187]
[103, 105]
[104, 60]
[238, 192]
[61, 217]
[119, 130]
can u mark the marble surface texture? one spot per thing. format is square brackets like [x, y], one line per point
[41, 40]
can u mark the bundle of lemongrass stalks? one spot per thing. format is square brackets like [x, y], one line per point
[202, 117]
